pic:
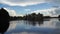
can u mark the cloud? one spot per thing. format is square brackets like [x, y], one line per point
[20, 15]
[27, 9]
[21, 2]
[48, 12]
[12, 12]
[28, 2]
[54, 1]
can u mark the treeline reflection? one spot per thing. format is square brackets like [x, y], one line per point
[33, 23]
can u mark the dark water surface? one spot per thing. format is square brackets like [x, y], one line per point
[48, 26]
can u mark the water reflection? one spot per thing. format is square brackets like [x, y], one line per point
[33, 27]
[59, 19]
[34, 23]
[46, 19]
[4, 26]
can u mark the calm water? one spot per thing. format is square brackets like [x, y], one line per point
[48, 26]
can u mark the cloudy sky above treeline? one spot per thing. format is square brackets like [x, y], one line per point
[23, 7]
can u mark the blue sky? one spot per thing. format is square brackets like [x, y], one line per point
[23, 7]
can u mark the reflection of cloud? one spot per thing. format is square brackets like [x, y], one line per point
[58, 25]
[25, 33]
[12, 25]
[50, 24]
[28, 2]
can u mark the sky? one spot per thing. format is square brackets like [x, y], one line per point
[23, 7]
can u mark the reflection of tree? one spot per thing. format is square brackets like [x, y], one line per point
[34, 23]
[40, 22]
[59, 19]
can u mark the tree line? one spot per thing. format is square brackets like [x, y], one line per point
[33, 17]
[30, 17]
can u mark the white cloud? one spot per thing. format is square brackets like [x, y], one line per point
[48, 12]
[27, 9]
[20, 15]
[56, 2]
[12, 12]
[28, 2]
[21, 2]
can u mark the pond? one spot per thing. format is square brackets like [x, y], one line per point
[48, 26]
